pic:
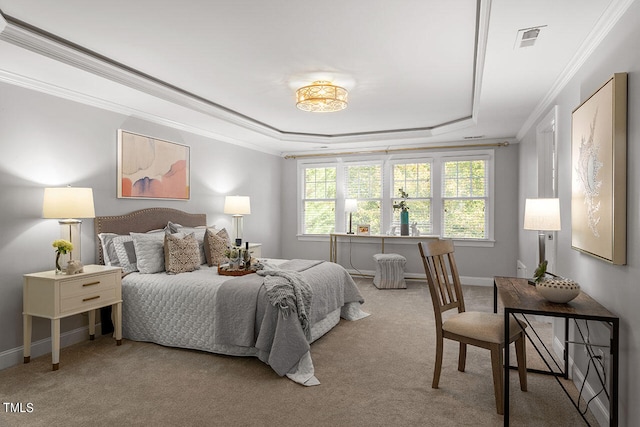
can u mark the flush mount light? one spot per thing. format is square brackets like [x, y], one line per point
[321, 97]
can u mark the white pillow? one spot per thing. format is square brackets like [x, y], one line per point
[108, 252]
[149, 251]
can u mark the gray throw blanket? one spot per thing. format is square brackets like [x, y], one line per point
[288, 290]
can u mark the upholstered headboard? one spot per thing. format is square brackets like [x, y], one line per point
[142, 221]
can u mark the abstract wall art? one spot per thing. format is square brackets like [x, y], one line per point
[150, 168]
[599, 172]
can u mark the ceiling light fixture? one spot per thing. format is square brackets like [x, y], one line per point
[321, 97]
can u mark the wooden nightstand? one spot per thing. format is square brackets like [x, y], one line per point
[255, 249]
[54, 296]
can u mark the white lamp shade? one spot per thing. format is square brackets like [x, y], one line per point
[542, 214]
[237, 205]
[68, 202]
[351, 205]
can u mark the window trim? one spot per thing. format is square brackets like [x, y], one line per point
[489, 156]
[435, 158]
[300, 186]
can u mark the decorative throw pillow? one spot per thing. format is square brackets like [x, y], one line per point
[125, 254]
[181, 254]
[215, 244]
[149, 251]
[197, 231]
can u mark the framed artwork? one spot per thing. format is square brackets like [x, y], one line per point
[599, 173]
[150, 168]
[363, 229]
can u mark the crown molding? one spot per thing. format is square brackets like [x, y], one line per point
[47, 88]
[605, 24]
[25, 36]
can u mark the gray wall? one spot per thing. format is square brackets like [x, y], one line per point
[48, 141]
[473, 262]
[615, 287]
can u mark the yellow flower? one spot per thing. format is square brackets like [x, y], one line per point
[62, 246]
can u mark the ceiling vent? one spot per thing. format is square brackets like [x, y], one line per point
[527, 37]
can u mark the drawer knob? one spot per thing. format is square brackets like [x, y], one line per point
[91, 284]
[90, 298]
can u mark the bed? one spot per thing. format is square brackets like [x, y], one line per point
[203, 310]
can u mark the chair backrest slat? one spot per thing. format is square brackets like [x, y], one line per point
[442, 276]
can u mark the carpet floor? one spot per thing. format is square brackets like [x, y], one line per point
[373, 372]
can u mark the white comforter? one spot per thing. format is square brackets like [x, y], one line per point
[177, 311]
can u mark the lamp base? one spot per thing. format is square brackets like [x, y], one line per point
[70, 229]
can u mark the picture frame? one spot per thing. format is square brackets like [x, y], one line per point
[599, 172]
[363, 229]
[151, 168]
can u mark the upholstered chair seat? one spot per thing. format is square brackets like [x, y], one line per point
[481, 326]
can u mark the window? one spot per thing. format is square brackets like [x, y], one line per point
[319, 202]
[364, 183]
[448, 196]
[464, 199]
[415, 180]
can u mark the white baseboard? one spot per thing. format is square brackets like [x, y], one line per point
[599, 409]
[466, 280]
[15, 356]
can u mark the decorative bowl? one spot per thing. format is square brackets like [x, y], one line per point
[558, 289]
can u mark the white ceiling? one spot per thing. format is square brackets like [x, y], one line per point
[418, 72]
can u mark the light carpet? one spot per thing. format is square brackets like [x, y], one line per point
[374, 372]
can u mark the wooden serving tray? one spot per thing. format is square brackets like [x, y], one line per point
[226, 271]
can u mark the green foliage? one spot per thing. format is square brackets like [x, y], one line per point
[464, 218]
[540, 272]
[402, 204]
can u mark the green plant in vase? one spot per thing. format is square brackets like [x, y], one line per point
[62, 247]
[404, 212]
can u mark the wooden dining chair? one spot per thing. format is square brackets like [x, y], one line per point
[480, 329]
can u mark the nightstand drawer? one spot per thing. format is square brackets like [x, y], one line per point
[87, 285]
[88, 300]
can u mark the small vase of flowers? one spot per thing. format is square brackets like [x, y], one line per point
[233, 254]
[404, 212]
[62, 247]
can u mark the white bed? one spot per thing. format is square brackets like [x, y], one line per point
[221, 314]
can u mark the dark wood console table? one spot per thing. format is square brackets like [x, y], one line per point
[517, 296]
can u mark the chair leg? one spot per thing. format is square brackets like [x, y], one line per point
[521, 356]
[438, 366]
[497, 368]
[462, 357]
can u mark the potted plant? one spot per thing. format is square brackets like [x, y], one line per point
[404, 212]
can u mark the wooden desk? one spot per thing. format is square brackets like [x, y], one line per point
[517, 296]
[333, 241]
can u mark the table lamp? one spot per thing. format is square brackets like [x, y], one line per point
[350, 206]
[237, 206]
[66, 204]
[542, 215]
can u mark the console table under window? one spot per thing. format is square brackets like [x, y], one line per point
[518, 297]
[334, 237]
